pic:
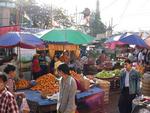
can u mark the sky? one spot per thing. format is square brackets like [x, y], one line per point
[126, 15]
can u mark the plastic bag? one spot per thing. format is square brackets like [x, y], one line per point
[24, 108]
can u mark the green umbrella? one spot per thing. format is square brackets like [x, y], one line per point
[66, 36]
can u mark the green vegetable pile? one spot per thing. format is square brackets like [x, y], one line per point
[104, 74]
[116, 72]
[108, 74]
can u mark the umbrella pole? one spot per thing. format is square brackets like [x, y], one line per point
[17, 51]
[20, 61]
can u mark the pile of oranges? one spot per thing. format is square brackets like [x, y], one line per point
[22, 84]
[46, 84]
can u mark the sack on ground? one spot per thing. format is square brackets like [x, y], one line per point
[24, 108]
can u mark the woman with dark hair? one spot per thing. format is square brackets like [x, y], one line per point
[10, 70]
[15, 62]
[36, 67]
[67, 91]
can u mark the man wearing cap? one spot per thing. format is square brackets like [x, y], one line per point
[8, 103]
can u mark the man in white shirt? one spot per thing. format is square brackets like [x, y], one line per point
[140, 57]
[130, 87]
[131, 57]
[127, 79]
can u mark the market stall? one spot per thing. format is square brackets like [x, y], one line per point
[42, 94]
[64, 39]
[61, 47]
[92, 98]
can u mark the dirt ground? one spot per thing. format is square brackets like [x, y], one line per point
[112, 106]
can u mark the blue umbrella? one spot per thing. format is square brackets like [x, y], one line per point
[21, 39]
[133, 39]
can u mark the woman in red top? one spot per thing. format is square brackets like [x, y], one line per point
[36, 67]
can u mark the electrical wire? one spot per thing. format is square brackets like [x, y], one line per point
[124, 10]
[109, 5]
[145, 3]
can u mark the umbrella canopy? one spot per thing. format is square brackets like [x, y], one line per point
[133, 39]
[22, 39]
[113, 41]
[66, 36]
[147, 41]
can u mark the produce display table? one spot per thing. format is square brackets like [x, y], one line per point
[91, 98]
[115, 83]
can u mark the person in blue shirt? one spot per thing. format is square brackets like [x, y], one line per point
[130, 87]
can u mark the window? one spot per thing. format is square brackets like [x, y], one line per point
[7, 14]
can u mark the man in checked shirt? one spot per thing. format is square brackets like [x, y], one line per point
[7, 100]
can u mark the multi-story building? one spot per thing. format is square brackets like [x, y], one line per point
[8, 22]
[8, 16]
[7, 13]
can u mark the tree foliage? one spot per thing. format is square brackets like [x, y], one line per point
[96, 25]
[61, 18]
[42, 15]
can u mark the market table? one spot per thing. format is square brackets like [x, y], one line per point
[91, 98]
[141, 105]
[114, 82]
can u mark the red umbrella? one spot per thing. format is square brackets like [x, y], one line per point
[113, 41]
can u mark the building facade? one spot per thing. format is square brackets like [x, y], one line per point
[8, 13]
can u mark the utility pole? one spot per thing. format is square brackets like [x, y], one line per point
[20, 13]
[111, 24]
[76, 16]
[51, 14]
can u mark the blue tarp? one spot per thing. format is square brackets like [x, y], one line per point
[35, 96]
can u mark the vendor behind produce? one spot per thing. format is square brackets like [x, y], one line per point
[65, 57]
[10, 70]
[102, 58]
[43, 64]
